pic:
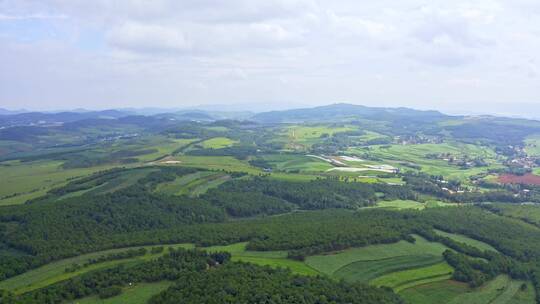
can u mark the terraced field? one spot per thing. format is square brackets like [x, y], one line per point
[193, 184]
[501, 290]
[365, 271]
[366, 263]
[408, 278]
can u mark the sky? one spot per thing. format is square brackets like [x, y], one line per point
[457, 56]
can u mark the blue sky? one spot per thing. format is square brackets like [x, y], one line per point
[457, 56]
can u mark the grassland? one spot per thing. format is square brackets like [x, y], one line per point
[401, 204]
[164, 148]
[217, 143]
[26, 180]
[226, 163]
[407, 278]
[277, 259]
[467, 240]
[301, 163]
[55, 271]
[135, 294]
[301, 137]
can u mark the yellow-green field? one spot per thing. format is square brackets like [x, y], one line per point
[217, 143]
[32, 179]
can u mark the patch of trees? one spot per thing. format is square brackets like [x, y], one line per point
[319, 194]
[243, 204]
[87, 160]
[464, 269]
[247, 283]
[500, 133]
[50, 232]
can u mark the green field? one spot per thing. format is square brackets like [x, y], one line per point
[135, 294]
[277, 259]
[226, 163]
[193, 184]
[164, 148]
[401, 204]
[301, 137]
[217, 143]
[412, 277]
[441, 292]
[331, 263]
[396, 154]
[501, 290]
[365, 271]
[300, 163]
[55, 271]
[27, 180]
[467, 240]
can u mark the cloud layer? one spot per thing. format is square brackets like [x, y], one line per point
[430, 54]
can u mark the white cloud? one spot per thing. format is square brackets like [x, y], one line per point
[202, 51]
[31, 16]
[148, 38]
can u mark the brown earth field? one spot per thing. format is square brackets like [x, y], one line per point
[529, 179]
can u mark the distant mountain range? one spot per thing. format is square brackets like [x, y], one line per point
[39, 118]
[11, 112]
[343, 111]
[340, 112]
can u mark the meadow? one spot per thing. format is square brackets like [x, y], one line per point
[301, 163]
[467, 240]
[22, 181]
[276, 259]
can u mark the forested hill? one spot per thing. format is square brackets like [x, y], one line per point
[342, 111]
